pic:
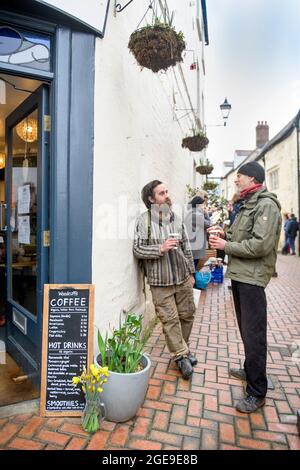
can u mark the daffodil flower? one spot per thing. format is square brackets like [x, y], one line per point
[91, 382]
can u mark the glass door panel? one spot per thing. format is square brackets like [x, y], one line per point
[23, 213]
[27, 196]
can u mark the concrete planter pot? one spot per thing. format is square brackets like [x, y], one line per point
[124, 394]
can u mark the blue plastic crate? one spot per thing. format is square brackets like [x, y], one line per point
[217, 276]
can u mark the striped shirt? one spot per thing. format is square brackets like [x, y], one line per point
[162, 269]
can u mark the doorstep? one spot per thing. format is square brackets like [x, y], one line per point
[30, 406]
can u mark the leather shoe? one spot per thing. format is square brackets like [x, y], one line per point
[238, 374]
[185, 367]
[193, 360]
[249, 404]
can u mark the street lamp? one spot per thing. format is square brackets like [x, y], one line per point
[225, 110]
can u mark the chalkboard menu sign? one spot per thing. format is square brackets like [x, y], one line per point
[67, 346]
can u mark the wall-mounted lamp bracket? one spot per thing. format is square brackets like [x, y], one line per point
[215, 125]
[185, 109]
[119, 7]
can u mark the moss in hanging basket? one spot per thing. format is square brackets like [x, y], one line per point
[204, 169]
[157, 47]
[209, 185]
[195, 143]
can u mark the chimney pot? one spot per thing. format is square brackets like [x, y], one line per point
[262, 134]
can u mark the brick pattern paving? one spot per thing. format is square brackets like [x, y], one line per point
[199, 414]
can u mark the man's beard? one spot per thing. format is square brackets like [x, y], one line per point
[161, 211]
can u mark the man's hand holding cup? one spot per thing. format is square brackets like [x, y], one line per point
[216, 231]
[216, 235]
[171, 243]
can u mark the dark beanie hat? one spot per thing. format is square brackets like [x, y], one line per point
[253, 169]
[196, 200]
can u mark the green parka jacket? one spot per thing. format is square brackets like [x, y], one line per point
[252, 240]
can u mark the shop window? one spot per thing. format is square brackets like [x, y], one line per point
[28, 49]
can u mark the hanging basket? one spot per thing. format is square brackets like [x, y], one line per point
[204, 169]
[195, 143]
[209, 185]
[157, 47]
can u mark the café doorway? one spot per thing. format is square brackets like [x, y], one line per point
[24, 229]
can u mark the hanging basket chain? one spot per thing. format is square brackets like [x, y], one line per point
[150, 7]
[157, 46]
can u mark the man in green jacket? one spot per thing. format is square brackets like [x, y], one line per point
[251, 245]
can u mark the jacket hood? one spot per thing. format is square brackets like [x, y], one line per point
[263, 193]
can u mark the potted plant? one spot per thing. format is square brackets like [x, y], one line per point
[128, 368]
[91, 382]
[204, 167]
[209, 185]
[157, 46]
[192, 192]
[196, 142]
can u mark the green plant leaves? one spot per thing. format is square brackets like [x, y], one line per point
[122, 351]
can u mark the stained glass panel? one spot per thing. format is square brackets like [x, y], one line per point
[28, 49]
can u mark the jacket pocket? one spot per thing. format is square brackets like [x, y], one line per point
[245, 268]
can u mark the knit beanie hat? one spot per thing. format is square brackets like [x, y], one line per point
[196, 200]
[253, 169]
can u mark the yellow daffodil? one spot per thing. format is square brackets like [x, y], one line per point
[94, 370]
[91, 382]
[104, 371]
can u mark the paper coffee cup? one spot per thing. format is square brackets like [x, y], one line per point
[174, 236]
[215, 233]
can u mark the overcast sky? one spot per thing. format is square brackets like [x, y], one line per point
[253, 59]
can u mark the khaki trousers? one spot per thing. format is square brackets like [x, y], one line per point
[174, 306]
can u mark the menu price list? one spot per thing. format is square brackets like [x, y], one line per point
[67, 348]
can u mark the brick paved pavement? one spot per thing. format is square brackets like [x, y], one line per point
[199, 414]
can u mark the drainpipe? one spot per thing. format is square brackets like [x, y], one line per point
[298, 173]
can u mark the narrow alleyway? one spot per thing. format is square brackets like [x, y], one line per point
[199, 414]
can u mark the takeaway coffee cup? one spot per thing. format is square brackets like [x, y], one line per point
[215, 233]
[174, 236]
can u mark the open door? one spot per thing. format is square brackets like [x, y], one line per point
[27, 228]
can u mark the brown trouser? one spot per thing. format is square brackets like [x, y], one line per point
[174, 306]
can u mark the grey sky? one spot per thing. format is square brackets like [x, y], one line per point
[254, 60]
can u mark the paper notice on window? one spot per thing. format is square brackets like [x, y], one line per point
[24, 229]
[24, 199]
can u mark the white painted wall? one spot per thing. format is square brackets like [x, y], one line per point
[138, 137]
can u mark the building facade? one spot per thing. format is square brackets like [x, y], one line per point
[281, 160]
[83, 129]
